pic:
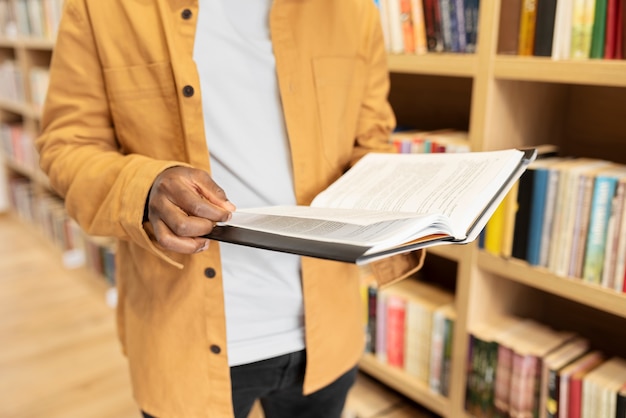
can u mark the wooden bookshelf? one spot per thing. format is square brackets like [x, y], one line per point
[502, 101]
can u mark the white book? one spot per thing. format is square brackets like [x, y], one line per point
[386, 204]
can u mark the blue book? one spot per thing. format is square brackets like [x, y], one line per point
[543, 187]
[604, 189]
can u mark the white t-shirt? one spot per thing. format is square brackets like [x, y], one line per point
[249, 149]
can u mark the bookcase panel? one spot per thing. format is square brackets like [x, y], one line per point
[431, 102]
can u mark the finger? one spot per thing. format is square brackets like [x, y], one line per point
[181, 223]
[183, 245]
[212, 192]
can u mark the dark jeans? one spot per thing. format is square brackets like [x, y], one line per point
[277, 383]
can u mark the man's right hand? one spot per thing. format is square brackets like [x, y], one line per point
[184, 204]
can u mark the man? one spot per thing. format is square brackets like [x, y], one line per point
[158, 110]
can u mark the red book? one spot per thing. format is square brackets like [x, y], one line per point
[585, 365]
[396, 312]
[610, 37]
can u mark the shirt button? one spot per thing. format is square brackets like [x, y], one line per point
[215, 349]
[188, 91]
[209, 272]
[186, 14]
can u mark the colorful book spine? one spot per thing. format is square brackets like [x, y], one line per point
[604, 190]
[537, 208]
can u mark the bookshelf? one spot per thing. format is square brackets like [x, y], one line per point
[503, 101]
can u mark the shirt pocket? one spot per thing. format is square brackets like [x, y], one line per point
[145, 110]
[340, 88]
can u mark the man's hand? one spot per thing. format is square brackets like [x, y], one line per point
[184, 204]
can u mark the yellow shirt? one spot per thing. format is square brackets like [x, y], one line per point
[124, 104]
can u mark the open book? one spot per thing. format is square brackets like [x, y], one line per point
[386, 204]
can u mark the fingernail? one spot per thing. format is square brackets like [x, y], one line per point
[204, 247]
[230, 206]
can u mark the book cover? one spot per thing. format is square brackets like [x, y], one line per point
[471, 24]
[611, 29]
[582, 27]
[521, 223]
[601, 204]
[573, 376]
[408, 27]
[561, 41]
[538, 342]
[553, 364]
[445, 12]
[528, 21]
[381, 327]
[612, 236]
[432, 19]
[396, 36]
[386, 204]
[508, 28]
[598, 31]
[544, 29]
[620, 262]
[419, 26]
[448, 341]
[394, 338]
[620, 408]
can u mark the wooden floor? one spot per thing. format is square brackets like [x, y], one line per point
[59, 354]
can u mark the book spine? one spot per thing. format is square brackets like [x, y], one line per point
[446, 367]
[599, 30]
[528, 21]
[408, 29]
[432, 19]
[548, 217]
[604, 189]
[381, 327]
[395, 27]
[396, 312]
[436, 351]
[508, 31]
[544, 30]
[537, 208]
[446, 24]
[575, 397]
[372, 304]
[620, 403]
[521, 223]
[471, 25]
[419, 26]
[610, 35]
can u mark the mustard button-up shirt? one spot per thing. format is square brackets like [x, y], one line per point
[124, 104]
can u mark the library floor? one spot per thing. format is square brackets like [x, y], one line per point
[60, 357]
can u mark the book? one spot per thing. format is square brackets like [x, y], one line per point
[528, 21]
[522, 207]
[419, 26]
[605, 186]
[508, 30]
[528, 356]
[553, 364]
[544, 28]
[574, 374]
[599, 30]
[561, 42]
[386, 204]
[440, 342]
[620, 407]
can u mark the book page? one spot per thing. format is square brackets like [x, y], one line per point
[458, 186]
[360, 227]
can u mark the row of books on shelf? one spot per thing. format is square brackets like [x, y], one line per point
[18, 146]
[30, 18]
[567, 215]
[409, 141]
[421, 26]
[12, 84]
[576, 29]
[47, 212]
[409, 325]
[521, 368]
